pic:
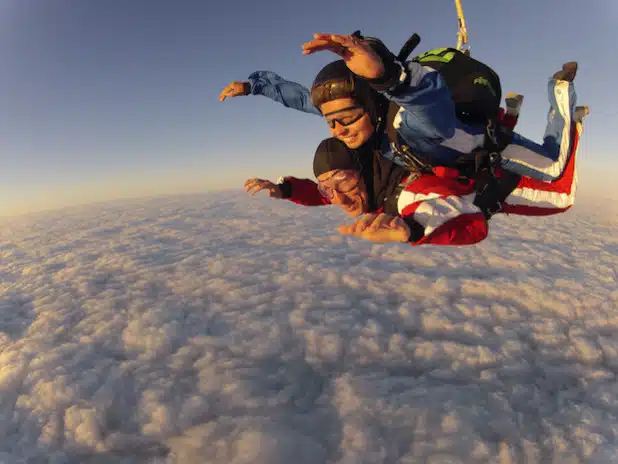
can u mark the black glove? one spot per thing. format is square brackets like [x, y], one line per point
[392, 68]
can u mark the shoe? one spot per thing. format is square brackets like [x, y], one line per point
[513, 103]
[567, 73]
[580, 113]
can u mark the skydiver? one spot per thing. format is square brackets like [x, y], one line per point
[358, 106]
[417, 208]
[427, 123]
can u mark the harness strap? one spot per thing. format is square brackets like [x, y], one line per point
[491, 191]
[402, 151]
[390, 205]
[417, 231]
[480, 165]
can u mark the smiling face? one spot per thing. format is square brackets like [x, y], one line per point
[347, 121]
[346, 189]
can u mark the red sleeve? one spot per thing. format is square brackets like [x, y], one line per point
[445, 210]
[305, 192]
[465, 229]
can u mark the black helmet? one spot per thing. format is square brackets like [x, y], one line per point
[333, 154]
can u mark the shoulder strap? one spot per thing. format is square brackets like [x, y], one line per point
[401, 150]
[389, 128]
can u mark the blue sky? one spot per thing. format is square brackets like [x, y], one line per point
[105, 99]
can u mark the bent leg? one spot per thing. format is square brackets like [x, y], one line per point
[537, 198]
[546, 162]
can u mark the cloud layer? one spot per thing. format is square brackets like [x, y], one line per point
[221, 328]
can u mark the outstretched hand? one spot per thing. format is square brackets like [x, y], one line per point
[234, 89]
[254, 185]
[378, 228]
[358, 55]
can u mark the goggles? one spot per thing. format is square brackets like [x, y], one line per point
[341, 181]
[347, 116]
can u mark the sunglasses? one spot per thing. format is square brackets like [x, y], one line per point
[354, 113]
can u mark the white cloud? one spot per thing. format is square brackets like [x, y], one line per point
[224, 328]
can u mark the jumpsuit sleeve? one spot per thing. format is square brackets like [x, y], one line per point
[289, 94]
[303, 192]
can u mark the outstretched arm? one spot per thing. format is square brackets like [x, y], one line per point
[290, 94]
[433, 210]
[271, 85]
[450, 226]
[300, 191]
